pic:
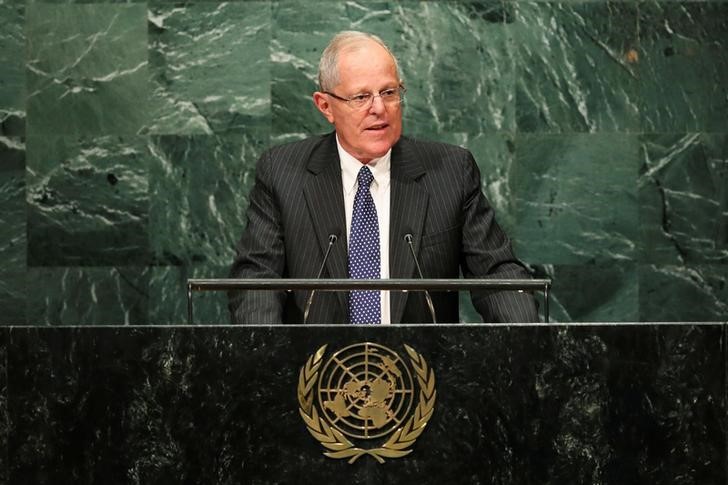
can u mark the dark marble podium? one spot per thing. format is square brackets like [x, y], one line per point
[558, 404]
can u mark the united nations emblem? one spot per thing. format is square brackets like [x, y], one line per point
[365, 392]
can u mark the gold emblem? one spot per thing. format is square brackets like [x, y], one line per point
[364, 392]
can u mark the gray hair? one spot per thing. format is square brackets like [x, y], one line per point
[328, 75]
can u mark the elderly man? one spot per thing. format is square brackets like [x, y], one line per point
[365, 192]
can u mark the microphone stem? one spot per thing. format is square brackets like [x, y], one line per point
[428, 298]
[332, 240]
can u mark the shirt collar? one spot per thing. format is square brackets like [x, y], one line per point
[350, 167]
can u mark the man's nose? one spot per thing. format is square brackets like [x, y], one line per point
[377, 106]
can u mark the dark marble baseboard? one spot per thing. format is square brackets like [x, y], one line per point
[607, 404]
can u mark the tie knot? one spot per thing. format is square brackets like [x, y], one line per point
[365, 177]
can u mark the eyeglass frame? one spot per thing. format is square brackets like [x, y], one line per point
[402, 90]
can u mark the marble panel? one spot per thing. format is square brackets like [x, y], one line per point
[591, 292]
[684, 67]
[87, 68]
[210, 67]
[576, 198]
[683, 293]
[538, 404]
[453, 57]
[661, 423]
[13, 241]
[88, 201]
[620, 404]
[168, 292]
[494, 154]
[12, 76]
[199, 195]
[577, 67]
[88, 296]
[457, 62]
[683, 195]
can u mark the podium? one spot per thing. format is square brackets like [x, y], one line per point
[515, 404]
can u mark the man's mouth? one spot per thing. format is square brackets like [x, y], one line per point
[378, 127]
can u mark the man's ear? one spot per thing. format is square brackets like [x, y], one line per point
[321, 100]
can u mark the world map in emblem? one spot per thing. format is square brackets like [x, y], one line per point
[365, 390]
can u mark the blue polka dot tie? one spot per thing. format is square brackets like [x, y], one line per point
[364, 306]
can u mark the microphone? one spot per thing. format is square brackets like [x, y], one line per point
[408, 238]
[332, 239]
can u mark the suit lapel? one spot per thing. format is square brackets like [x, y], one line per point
[325, 200]
[409, 201]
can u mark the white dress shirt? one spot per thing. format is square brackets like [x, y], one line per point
[379, 167]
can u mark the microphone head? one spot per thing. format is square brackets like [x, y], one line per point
[408, 237]
[333, 238]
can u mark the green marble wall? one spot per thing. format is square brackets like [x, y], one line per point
[129, 134]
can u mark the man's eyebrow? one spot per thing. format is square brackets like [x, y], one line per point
[367, 91]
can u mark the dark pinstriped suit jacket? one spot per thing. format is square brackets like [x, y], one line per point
[297, 202]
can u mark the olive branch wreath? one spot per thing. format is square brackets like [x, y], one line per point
[339, 445]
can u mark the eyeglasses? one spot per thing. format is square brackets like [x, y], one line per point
[391, 97]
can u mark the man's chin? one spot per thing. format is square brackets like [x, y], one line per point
[380, 145]
[372, 148]
[378, 152]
